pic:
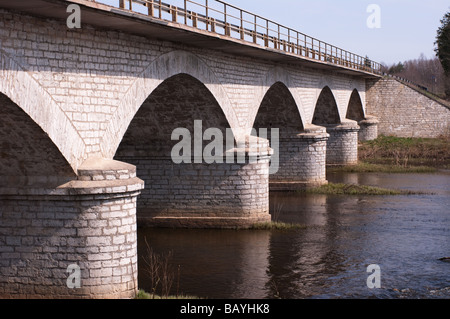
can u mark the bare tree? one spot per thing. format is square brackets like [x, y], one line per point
[427, 73]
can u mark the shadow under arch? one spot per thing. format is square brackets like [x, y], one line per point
[274, 80]
[326, 111]
[278, 109]
[342, 144]
[176, 103]
[175, 190]
[355, 110]
[298, 160]
[162, 68]
[28, 157]
[22, 89]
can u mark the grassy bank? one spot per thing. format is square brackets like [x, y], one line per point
[145, 295]
[402, 155]
[276, 225]
[351, 189]
[365, 167]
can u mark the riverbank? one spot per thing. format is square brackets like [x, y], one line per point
[351, 189]
[390, 154]
[145, 295]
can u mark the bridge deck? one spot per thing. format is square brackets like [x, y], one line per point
[210, 24]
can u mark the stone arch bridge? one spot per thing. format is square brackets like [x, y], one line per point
[86, 121]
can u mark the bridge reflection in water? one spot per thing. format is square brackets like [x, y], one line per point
[405, 235]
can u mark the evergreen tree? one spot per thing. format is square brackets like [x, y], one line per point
[443, 49]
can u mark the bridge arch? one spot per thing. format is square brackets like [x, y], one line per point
[278, 109]
[194, 189]
[159, 70]
[176, 103]
[27, 155]
[25, 92]
[276, 77]
[326, 111]
[355, 109]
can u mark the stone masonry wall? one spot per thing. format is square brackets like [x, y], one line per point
[302, 160]
[368, 129]
[41, 237]
[90, 223]
[220, 195]
[87, 73]
[342, 146]
[405, 112]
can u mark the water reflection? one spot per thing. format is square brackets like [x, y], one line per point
[405, 235]
[214, 263]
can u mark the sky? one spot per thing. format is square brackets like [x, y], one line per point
[407, 27]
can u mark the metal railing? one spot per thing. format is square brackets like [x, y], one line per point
[404, 80]
[222, 18]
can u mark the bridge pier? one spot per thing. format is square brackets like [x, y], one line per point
[189, 195]
[368, 128]
[342, 146]
[49, 233]
[302, 159]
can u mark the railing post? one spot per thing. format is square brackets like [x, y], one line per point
[306, 47]
[207, 14]
[320, 50]
[255, 32]
[160, 9]
[185, 12]
[242, 26]
[225, 15]
[122, 4]
[174, 12]
[194, 19]
[150, 8]
[227, 29]
[213, 24]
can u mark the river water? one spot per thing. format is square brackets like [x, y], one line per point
[404, 235]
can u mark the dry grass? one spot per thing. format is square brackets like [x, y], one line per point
[407, 152]
[277, 226]
[161, 272]
[351, 189]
